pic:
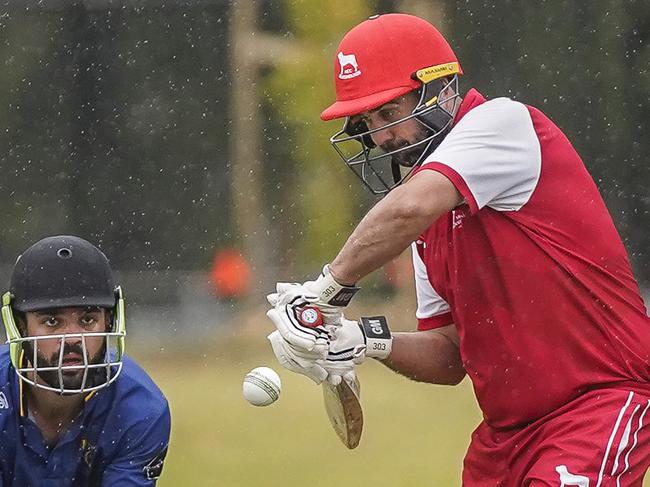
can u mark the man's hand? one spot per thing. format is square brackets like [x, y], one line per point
[346, 350]
[332, 296]
[351, 342]
[348, 344]
[305, 363]
[287, 303]
[289, 300]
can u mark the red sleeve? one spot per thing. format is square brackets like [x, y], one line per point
[456, 179]
[437, 321]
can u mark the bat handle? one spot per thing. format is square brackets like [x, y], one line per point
[310, 316]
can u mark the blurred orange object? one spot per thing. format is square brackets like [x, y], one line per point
[230, 275]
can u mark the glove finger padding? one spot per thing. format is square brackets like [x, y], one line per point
[272, 298]
[346, 350]
[286, 292]
[294, 360]
[347, 343]
[302, 337]
[351, 342]
[335, 377]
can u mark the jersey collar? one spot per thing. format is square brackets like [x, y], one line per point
[472, 99]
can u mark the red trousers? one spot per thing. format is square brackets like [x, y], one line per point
[600, 439]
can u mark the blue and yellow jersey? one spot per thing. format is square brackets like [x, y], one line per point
[120, 438]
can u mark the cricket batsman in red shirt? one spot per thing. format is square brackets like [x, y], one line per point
[523, 283]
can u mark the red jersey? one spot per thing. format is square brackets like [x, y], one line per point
[530, 268]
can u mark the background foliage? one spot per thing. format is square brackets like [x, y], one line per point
[115, 117]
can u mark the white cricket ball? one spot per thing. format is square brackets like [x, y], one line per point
[262, 386]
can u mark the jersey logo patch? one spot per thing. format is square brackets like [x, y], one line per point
[567, 478]
[457, 218]
[153, 469]
[4, 404]
[88, 452]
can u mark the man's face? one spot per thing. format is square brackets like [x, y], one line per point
[399, 135]
[68, 321]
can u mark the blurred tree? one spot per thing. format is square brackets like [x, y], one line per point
[163, 114]
[115, 119]
[116, 122]
[636, 108]
[32, 186]
[325, 197]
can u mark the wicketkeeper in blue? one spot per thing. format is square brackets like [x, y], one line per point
[74, 410]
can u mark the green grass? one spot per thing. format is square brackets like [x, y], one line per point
[414, 434]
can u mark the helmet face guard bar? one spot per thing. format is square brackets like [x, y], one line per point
[111, 365]
[379, 170]
[26, 349]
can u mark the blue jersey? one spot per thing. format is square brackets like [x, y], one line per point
[119, 439]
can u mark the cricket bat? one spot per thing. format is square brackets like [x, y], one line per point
[342, 402]
[344, 411]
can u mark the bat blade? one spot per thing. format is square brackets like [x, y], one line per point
[344, 411]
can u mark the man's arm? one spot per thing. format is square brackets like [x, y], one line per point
[393, 224]
[428, 356]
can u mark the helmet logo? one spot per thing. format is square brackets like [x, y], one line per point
[349, 66]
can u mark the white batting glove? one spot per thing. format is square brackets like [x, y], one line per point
[332, 296]
[352, 342]
[285, 315]
[324, 292]
[295, 360]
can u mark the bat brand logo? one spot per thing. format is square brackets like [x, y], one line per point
[349, 66]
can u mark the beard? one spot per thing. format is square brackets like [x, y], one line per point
[72, 379]
[407, 157]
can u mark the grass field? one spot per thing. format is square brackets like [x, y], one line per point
[415, 434]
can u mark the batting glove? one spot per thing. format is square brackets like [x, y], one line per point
[324, 292]
[296, 360]
[332, 296]
[288, 305]
[352, 342]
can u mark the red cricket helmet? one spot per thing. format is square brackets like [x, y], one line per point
[379, 60]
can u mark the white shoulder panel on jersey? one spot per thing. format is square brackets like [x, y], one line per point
[495, 149]
[429, 302]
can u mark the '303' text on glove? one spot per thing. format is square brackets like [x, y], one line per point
[332, 297]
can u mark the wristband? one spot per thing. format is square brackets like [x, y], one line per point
[331, 292]
[378, 338]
